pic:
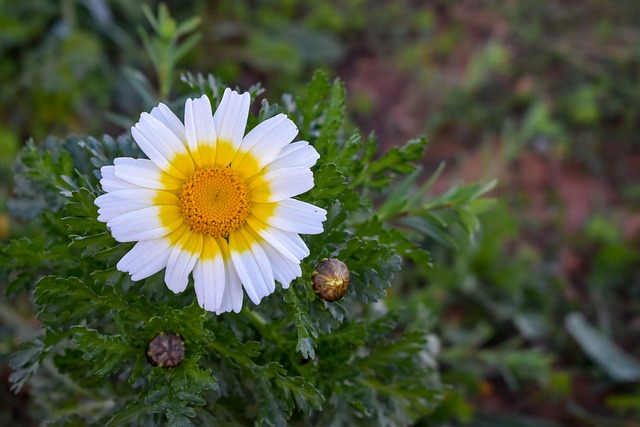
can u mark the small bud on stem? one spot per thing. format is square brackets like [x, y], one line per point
[330, 280]
[166, 350]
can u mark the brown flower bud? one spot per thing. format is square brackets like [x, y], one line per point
[166, 350]
[330, 280]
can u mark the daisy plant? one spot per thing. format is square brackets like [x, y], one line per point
[143, 246]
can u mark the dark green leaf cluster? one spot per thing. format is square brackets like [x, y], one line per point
[292, 359]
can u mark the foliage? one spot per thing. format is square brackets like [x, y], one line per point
[293, 358]
[559, 82]
[164, 49]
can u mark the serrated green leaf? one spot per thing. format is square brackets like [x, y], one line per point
[332, 186]
[332, 119]
[399, 198]
[25, 363]
[310, 106]
[111, 277]
[273, 410]
[371, 265]
[81, 204]
[398, 240]
[433, 227]
[132, 414]
[460, 195]
[92, 245]
[65, 302]
[306, 326]
[397, 161]
[400, 159]
[180, 418]
[302, 392]
[194, 381]
[111, 351]
[24, 260]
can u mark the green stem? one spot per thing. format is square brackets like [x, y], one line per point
[266, 331]
[258, 322]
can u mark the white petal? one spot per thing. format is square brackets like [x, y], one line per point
[230, 120]
[123, 201]
[292, 241]
[182, 261]
[273, 236]
[144, 173]
[297, 217]
[143, 224]
[170, 120]
[266, 140]
[284, 270]
[160, 144]
[281, 184]
[209, 277]
[110, 182]
[147, 257]
[233, 296]
[297, 154]
[252, 265]
[200, 131]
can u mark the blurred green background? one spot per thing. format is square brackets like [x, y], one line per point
[539, 319]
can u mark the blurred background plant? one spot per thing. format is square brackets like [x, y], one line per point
[538, 319]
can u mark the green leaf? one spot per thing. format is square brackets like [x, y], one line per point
[65, 302]
[209, 85]
[397, 240]
[460, 195]
[371, 265]
[133, 414]
[330, 184]
[80, 215]
[398, 160]
[25, 363]
[311, 105]
[302, 392]
[190, 380]
[307, 327]
[179, 418]
[399, 198]
[141, 84]
[38, 174]
[377, 374]
[109, 351]
[23, 260]
[332, 119]
[273, 411]
[81, 207]
[614, 362]
[432, 226]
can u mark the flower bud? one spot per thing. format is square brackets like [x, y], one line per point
[166, 350]
[330, 280]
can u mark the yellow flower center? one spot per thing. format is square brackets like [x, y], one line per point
[215, 201]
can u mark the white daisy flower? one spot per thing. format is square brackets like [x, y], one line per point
[211, 202]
